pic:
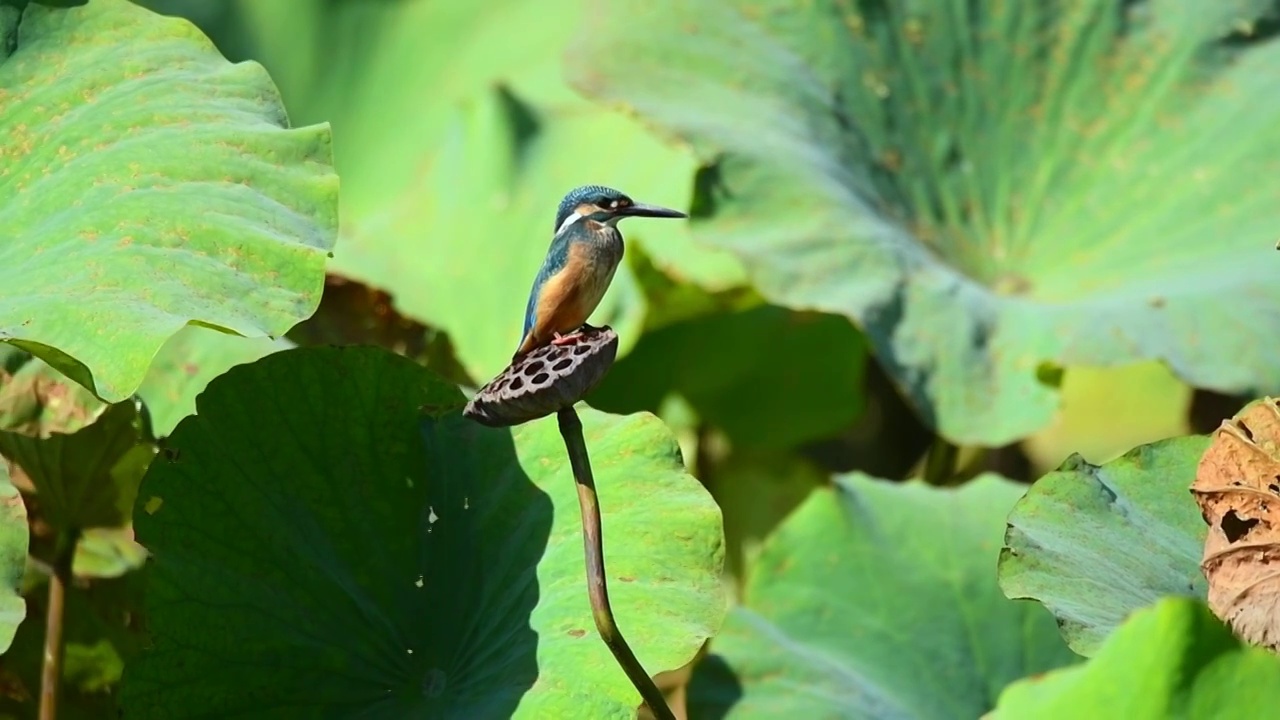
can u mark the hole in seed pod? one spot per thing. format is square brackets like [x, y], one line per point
[1236, 527]
[540, 378]
[517, 383]
[532, 368]
[501, 383]
[581, 349]
[1248, 433]
[562, 364]
[557, 353]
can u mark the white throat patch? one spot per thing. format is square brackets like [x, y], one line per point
[573, 218]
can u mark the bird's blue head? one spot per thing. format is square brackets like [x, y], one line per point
[604, 205]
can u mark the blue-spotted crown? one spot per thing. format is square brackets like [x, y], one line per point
[598, 194]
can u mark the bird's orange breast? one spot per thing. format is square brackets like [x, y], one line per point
[570, 296]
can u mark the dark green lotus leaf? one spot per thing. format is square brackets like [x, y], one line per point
[1172, 660]
[989, 188]
[1094, 543]
[145, 183]
[329, 514]
[40, 408]
[768, 377]
[878, 600]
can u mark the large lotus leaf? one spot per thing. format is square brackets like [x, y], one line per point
[13, 558]
[1173, 660]
[770, 378]
[988, 188]
[185, 365]
[145, 183]
[1107, 411]
[1094, 543]
[459, 138]
[878, 600]
[328, 513]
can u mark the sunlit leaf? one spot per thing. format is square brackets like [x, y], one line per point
[989, 188]
[145, 183]
[1171, 660]
[1093, 543]
[877, 600]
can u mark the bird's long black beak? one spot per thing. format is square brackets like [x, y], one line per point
[642, 210]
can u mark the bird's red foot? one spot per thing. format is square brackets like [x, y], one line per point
[569, 339]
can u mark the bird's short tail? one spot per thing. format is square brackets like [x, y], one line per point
[526, 346]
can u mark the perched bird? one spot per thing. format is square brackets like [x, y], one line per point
[580, 263]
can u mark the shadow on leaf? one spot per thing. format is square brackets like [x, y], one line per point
[312, 520]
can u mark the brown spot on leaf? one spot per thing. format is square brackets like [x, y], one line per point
[577, 632]
[1237, 486]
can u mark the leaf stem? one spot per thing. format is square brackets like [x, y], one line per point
[940, 464]
[593, 549]
[51, 672]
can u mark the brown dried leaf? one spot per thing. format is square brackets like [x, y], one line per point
[1238, 489]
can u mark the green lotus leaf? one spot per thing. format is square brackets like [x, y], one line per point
[1094, 543]
[40, 409]
[185, 365]
[456, 151]
[989, 189]
[878, 600]
[86, 479]
[329, 513]
[146, 183]
[768, 377]
[13, 557]
[1174, 659]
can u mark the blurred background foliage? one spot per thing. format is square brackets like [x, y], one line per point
[456, 133]
[459, 126]
[990, 247]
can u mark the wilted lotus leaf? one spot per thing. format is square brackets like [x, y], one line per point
[1238, 488]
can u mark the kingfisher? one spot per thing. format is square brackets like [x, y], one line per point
[584, 253]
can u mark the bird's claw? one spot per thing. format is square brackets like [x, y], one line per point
[569, 339]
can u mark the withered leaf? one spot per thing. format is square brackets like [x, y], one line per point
[1238, 488]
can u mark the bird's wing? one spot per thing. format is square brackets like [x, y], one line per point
[557, 258]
